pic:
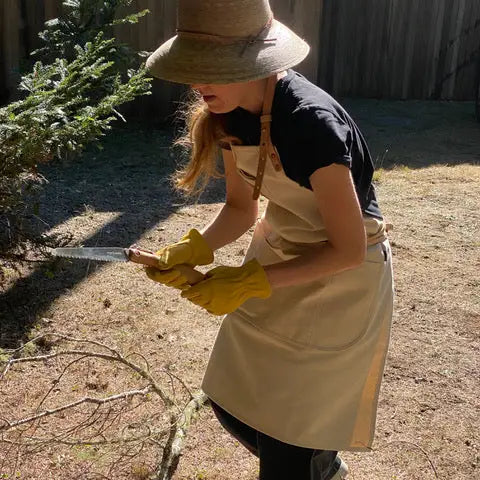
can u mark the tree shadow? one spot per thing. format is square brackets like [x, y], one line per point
[417, 134]
[129, 177]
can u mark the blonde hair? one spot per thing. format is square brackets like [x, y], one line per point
[204, 135]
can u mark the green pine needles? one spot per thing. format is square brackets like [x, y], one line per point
[69, 102]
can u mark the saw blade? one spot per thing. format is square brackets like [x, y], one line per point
[103, 254]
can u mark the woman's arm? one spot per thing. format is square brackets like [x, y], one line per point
[338, 205]
[239, 212]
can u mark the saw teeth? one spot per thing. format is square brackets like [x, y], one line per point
[80, 257]
[84, 258]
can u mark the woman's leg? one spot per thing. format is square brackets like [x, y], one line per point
[282, 461]
[246, 435]
[324, 469]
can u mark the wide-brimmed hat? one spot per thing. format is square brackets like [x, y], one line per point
[226, 41]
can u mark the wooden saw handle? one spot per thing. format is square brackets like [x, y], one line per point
[145, 257]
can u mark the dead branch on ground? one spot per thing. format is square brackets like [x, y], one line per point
[113, 432]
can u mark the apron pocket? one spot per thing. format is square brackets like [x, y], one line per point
[328, 314]
[332, 313]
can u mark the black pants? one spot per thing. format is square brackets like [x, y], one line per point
[279, 460]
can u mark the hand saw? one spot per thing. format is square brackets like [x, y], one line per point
[131, 254]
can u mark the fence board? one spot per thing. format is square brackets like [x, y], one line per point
[387, 50]
[340, 45]
[3, 86]
[11, 43]
[33, 15]
[372, 84]
[456, 29]
[51, 8]
[470, 51]
[325, 71]
[438, 18]
[304, 17]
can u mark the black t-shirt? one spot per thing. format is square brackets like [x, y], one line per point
[311, 130]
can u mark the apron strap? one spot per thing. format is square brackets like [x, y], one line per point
[267, 150]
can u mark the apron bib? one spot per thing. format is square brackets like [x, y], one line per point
[305, 365]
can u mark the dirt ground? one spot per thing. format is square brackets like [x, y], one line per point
[428, 180]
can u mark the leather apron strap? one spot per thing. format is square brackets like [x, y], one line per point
[267, 150]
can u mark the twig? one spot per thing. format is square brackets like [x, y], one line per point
[116, 357]
[170, 374]
[16, 350]
[147, 364]
[406, 442]
[34, 441]
[57, 380]
[97, 401]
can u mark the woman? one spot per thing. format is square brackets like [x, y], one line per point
[297, 364]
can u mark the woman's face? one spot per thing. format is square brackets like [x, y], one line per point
[227, 97]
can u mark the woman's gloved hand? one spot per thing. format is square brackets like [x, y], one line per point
[226, 288]
[192, 249]
[170, 278]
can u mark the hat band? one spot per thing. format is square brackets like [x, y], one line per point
[227, 40]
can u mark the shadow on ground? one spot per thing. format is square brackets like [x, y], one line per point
[129, 176]
[418, 134]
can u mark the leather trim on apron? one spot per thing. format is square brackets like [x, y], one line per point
[305, 365]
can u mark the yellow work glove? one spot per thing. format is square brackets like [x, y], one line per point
[226, 288]
[170, 278]
[192, 250]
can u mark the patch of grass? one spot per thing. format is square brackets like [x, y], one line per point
[403, 168]
[89, 211]
[4, 357]
[377, 175]
[141, 472]
[220, 452]
[29, 350]
[8, 273]
[86, 452]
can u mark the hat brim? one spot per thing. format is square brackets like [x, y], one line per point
[189, 60]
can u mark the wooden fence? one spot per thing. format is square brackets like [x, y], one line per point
[370, 48]
[400, 48]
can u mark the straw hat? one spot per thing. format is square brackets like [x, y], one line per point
[226, 41]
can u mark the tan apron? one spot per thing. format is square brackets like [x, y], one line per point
[305, 365]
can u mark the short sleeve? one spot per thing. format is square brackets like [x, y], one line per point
[320, 138]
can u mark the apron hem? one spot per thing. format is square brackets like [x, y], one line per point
[339, 447]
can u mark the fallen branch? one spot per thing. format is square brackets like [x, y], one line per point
[173, 448]
[115, 356]
[28, 436]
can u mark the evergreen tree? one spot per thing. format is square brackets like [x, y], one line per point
[70, 99]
